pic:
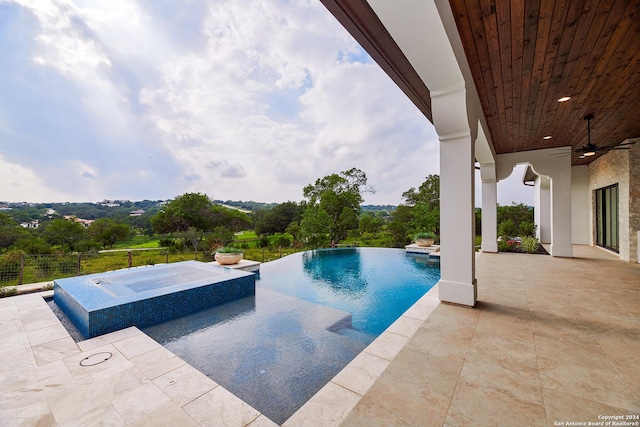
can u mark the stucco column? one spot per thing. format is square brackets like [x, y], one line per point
[561, 213]
[489, 208]
[457, 214]
[542, 209]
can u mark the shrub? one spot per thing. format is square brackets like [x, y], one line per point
[424, 235]
[167, 242]
[264, 242]
[527, 229]
[228, 250]
[505, 246]
[529, 244]
[507, 228]
[283, 241]
[8, 291]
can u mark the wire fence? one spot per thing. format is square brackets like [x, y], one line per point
[19, 268]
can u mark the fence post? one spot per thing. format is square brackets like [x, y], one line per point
[130, 259]
[279, 251]
[79, 262]
[262, 254]
[167, 259]
[21, 269]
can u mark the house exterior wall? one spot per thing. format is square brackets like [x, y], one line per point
[620, 167]
[580, 233]
[634, 203]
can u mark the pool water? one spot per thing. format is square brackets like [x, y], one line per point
[375, 285]
[313, 312]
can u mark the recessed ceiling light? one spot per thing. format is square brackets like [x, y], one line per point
[564, 99]
[546, 137]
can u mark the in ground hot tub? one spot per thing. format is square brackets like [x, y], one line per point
[106, 302]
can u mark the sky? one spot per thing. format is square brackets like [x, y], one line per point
[240, 100]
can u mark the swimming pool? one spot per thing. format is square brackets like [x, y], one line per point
[313, 312]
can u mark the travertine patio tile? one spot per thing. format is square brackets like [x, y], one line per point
[386, 346]
[109, 338]
[35, 414]
[55, 350]
[501, 326]
[148, 405]
[18, 378]
[47, 334]
[262, 421]
[26, 302]
[590, 380]
[78, 400]
[184, 384]
[327, 408]
[54, 371]
[565, 406]
[105, 415]
[517, 378]
[419, 312]
[136, 345]
[38, 318]
[221, 408]
[359, 375]
[157, 362]
[405, 326]
[392, 403]
[476, 404]
[430, 299]
[103, 359]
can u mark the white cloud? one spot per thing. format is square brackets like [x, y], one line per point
[22, 184]
[240, 100]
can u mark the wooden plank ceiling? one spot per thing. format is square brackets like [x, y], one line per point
[525, 55]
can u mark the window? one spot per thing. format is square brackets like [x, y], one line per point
[607, 217]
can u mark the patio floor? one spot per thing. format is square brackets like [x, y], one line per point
[551, 341]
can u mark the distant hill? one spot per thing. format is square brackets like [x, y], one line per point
[24, 211]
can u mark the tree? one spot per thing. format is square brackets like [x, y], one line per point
[333, 204]
[516, 219]
[64, 233]
[399, 225]
[191, 236]
[276, 219]
[108, 231]
[293, 229]
[198, 211]
[10, 231]
[188, 210]
[425, 204]
[370, 223]
[314, 225]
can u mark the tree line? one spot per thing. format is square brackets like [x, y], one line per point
[331, 212]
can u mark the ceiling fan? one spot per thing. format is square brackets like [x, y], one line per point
[590, 149]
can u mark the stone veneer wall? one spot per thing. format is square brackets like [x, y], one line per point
[620, 167]
[634, 202]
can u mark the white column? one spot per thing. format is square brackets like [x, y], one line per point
[489, 208]
[561, 213]
[542, 209]
[457, 261]
[457, 213]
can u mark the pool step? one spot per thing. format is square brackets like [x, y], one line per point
[344, 327]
